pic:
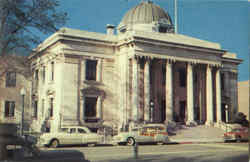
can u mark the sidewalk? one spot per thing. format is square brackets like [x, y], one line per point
[198, 134]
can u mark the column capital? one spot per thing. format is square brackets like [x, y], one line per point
[170, 61]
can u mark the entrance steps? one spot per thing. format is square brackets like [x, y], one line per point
[195, 134]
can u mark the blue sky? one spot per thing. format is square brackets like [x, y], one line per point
[221, 21]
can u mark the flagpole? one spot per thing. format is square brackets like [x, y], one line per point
[175, 16]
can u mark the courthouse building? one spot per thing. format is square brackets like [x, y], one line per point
[140, 71]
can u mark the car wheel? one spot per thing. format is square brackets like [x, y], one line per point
[130, 141]
[54, 143]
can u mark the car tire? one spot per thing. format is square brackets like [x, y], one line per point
[54, 143]
[130, 141]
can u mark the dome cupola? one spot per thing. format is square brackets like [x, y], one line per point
[147, 17]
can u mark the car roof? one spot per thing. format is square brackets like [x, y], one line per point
[154, 125]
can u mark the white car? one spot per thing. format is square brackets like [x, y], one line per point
[69, 136]
[149, 133]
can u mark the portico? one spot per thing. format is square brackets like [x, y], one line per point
[163, 87]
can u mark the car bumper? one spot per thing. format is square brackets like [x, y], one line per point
[42, 143]
[229, 138]
[118, 140]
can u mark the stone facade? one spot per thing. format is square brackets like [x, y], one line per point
[94, 79]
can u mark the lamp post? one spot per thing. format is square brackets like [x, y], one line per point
[22, 93]
[151, 111]
[226, 109]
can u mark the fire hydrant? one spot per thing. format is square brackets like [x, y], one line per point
[135, 150]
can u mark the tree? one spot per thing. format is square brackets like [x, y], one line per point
[21, 20]
[240, 118]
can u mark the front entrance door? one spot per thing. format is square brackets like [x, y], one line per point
[223, 113]
[182, 111]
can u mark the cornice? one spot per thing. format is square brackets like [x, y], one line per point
[177, 45]
[232, 60]
[138, 53]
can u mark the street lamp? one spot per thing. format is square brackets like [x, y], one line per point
[226, 109]
[151, 111]
[22, 93]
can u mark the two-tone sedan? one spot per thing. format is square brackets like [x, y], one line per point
[70, 136]
[237, 134]
[149, 133]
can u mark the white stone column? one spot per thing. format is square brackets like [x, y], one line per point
[190, 94]
[169, 91]
[218, 95]
[83, 70]
[99, 107]
[209, 93]
[135, 90]
[58, 98]
[147, 90]
[99, 71]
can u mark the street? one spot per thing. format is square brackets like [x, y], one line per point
[218, 152]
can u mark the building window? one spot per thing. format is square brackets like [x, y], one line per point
[35, 109]
[182, 77]
[162, 29]
[51, 107]
[91, 69]
[52, 70]
[90, 107]
[9, 109]
[44, 74]
[10, 79]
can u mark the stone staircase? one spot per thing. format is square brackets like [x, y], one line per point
[199, 134]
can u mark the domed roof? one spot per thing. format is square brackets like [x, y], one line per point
[145, 13]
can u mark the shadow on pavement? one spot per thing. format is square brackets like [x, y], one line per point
[55, 156]
[200, 158]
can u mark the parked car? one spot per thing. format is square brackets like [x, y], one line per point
[237, 134]
[69, 135]
[149, 133]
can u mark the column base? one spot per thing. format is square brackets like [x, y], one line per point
[209, 123]
[191, 123]
[219, 124]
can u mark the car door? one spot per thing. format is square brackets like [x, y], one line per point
[82, 135]
[74, 137]
[144, 135]
[64, 136]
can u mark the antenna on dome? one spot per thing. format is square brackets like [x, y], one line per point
[175, 16]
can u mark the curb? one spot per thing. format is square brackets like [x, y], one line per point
[196, 142]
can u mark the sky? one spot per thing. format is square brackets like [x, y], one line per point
[221, 21]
